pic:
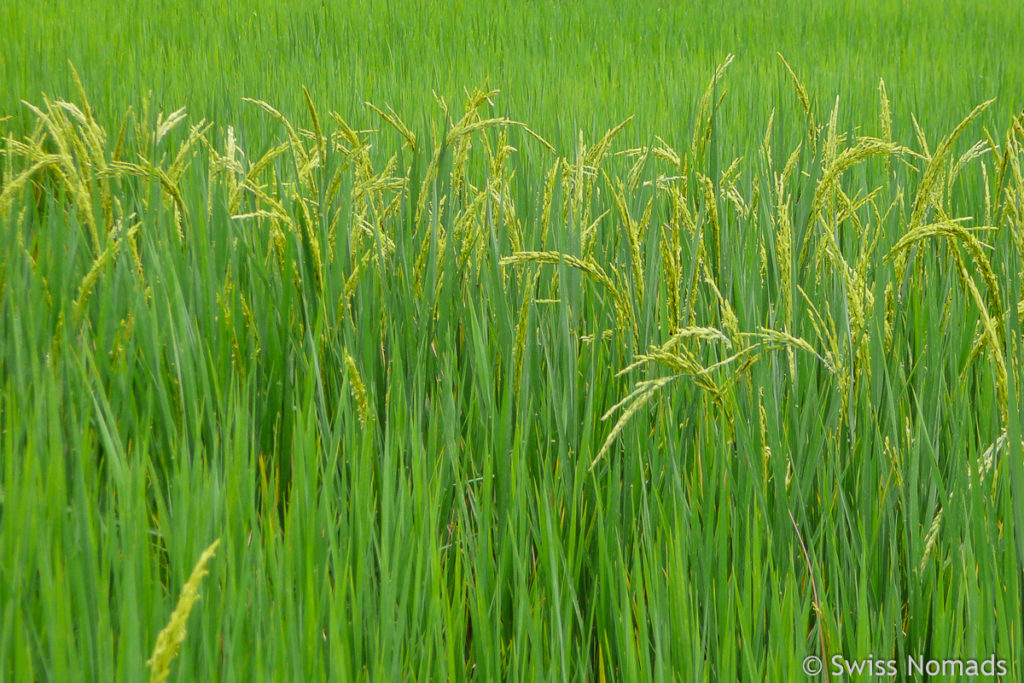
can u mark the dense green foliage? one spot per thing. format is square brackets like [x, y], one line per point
[690, 398]
[560, 66]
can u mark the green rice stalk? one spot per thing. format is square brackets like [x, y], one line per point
[169, 641]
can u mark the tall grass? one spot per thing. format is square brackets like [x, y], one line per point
[503, 385]
[493, 406]
[561, 67]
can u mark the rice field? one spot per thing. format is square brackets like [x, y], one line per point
[529, 341]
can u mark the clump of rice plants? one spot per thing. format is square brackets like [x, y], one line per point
[486, 407]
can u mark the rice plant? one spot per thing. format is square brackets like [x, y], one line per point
[464, 396]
